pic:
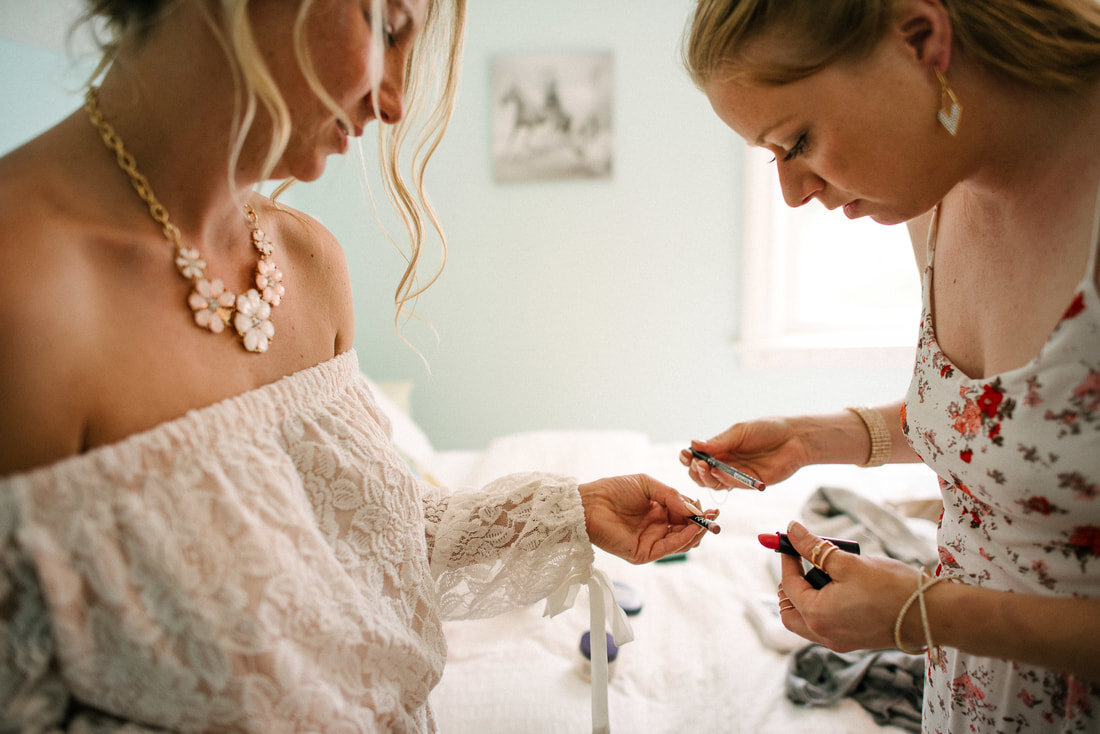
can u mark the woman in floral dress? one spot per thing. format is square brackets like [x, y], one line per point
[976, 122]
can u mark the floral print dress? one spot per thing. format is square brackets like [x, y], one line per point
[1018, 456]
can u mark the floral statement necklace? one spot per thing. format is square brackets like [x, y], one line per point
[214, 307]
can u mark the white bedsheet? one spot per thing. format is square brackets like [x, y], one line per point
[696, 664]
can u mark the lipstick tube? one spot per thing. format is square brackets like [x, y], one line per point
[779, 543]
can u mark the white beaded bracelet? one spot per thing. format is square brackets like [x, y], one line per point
[879, 434]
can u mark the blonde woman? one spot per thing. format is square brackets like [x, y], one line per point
[203, 524]
[976, 122]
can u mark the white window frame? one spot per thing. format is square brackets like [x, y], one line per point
[767, 339]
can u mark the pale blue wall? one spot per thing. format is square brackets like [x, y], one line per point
[38, 88]
[576, 304]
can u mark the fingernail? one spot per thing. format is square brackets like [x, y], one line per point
[695, 510]
[793, 528]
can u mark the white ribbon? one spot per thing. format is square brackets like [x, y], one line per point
[601, 597]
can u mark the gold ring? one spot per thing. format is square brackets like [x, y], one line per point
[817, 551]
[786, 606]
[825, 555]
[820, 552]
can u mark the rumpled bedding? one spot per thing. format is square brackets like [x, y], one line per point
[697, 662]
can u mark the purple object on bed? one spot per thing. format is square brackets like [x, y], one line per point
[586, 647]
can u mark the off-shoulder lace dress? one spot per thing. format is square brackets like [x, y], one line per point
[265, 564]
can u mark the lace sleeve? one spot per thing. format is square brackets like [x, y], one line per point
[507, 545]
[32, 696]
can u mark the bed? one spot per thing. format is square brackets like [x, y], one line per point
[708, 654]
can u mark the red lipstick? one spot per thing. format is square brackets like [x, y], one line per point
[779, 543]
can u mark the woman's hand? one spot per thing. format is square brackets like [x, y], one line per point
[857, 609]
[768, 449]
[640, 519]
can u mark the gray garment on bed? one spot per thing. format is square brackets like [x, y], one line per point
[879, 530]
[888, 683]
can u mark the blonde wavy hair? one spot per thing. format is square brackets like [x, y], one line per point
[1054, 44]
[431, 83]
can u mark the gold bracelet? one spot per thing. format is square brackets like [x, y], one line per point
[918, 595]
[878, 433]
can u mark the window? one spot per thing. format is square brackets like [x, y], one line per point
[820, 287]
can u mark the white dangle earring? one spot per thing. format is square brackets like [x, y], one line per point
[950, 110]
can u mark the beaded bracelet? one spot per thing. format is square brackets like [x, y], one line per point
[918, 595]
[878, 433]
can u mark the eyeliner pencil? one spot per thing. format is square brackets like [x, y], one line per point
[748, 481]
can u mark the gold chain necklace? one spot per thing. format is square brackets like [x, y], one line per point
[214, 307]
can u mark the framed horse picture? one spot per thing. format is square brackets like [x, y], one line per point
[552, 116]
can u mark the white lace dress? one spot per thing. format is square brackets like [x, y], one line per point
[266, 564]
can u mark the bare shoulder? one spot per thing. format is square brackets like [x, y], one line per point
[316, 256]
[43, 331]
